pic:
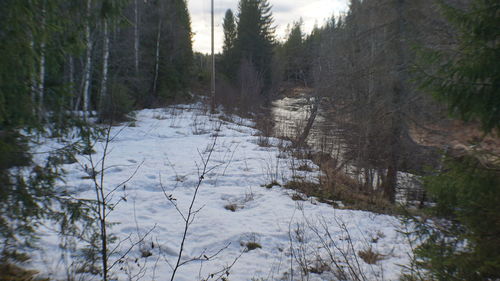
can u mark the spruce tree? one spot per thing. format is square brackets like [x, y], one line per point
[32, 43]
[229, 61]
[295, 67]
[255, 37]
[177, 53]
[467, 77]
[229, 26]
[465, 245]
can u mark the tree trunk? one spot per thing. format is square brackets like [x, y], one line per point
[397, 126]
[157, 57]
[71, 81]
[88, 65]
[391, 181]
[34, 85]
[136, 38]
[105, 65]
[307, 129]
[41, 77]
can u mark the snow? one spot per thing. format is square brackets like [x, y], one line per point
[166, 147]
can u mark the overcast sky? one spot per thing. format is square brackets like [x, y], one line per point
[284, 12]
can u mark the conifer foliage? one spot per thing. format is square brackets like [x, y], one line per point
[61, 62]
[463, 243]
[229, 26]
[467, 77]
[294, 55]
[249, 50]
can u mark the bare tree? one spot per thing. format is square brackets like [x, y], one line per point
[105, 64]
[96, 169]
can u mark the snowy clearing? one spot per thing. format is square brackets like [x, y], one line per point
[167, 146]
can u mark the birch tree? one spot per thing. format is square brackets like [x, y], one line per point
[41, 77]
[88, 60]
[105, 64]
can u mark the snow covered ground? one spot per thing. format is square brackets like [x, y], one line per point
[166, 147]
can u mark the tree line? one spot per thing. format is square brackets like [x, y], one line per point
[64, 62]
[382, 71]
[370, 66]
[62, 56]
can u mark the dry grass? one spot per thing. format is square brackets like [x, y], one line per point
[12, 272]
[231, 207]
[352, 198]
[305, 168]
[297, 197]
[461, 138]
[263, 141]
[319, 267]
[369, 256]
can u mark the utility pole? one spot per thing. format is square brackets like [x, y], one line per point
[213, 64]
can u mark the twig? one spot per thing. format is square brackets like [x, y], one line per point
[190, 210]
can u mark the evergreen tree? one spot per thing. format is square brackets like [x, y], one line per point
[466, 244]
[228, 59]
[463, 242]
[58, 56]
[255, 37]
[467, 78]
[32, 45]
[17, 63]
[229, 26]
[295, 66]
[177, 54]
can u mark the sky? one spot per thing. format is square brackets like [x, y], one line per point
[284, 12]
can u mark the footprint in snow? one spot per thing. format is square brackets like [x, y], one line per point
[116, 170]
[132, 161]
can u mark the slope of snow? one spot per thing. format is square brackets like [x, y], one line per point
[167, 147]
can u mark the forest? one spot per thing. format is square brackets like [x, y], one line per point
[365, 149]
